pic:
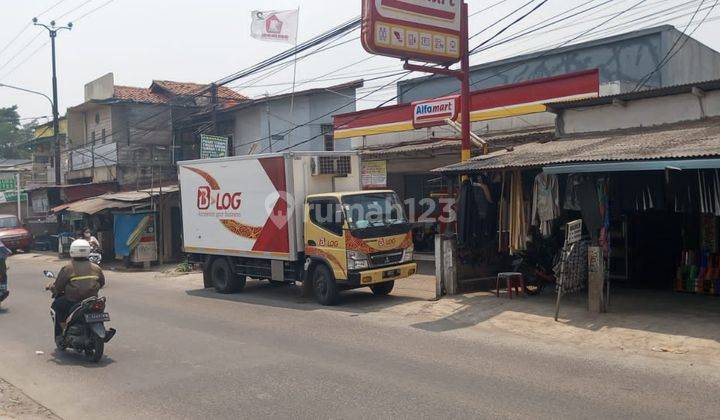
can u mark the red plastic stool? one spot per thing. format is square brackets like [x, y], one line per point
[515, 280]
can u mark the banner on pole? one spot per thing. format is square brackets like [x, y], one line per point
[275, 25]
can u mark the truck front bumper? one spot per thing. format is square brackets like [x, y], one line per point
[381, 275]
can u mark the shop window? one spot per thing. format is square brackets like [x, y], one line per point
[102, 136]
[327, 214]
[328, 138]
[92, 137]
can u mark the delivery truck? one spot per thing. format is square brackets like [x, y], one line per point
[293, 217]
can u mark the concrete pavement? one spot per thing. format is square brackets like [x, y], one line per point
[184, 352]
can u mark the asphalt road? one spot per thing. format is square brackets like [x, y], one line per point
[182, 352]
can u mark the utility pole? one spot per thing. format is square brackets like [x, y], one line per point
[17, 191]
[53, 30]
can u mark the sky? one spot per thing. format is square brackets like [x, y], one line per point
[205, 40]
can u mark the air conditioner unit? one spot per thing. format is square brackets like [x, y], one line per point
[331, 165]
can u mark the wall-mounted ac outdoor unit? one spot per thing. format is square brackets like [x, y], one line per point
[331, 165]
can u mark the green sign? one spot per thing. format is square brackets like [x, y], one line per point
[213, 146]
[11, 197]
[7, 184]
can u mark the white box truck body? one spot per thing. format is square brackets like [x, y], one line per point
[246, 216]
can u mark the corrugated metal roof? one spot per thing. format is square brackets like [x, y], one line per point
[120, 200]
[140, 195]
[684, 141]
[93, 205]
[495, 141]
[642, 94]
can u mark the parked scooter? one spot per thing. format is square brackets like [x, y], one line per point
[85, 327]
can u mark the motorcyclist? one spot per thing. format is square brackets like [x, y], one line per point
[78, 280]
[93, 241]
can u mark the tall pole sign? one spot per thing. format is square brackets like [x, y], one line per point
[430, 31]
[421, 30]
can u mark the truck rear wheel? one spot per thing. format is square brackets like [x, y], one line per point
[223, 278]
[383, 289]
[324, 287]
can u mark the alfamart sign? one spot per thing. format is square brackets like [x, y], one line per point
[431, 112]
[421, 30]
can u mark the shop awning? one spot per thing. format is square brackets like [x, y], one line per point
[114, 201]
[651, 165]
[633, 148]
[93, 205]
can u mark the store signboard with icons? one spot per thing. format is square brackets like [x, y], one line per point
[418, 30]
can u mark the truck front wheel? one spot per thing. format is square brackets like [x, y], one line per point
[383, 289]
[223, 279]
[324, 287]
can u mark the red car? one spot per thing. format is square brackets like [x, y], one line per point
[13, 234]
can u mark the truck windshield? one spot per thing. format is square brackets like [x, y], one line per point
[7, 222]
[373, 210]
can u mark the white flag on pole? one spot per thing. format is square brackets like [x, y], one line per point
[275, 25]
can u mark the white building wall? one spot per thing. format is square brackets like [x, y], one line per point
[310, 112]
[641, 113]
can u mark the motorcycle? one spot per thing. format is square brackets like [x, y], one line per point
[95, 256]
[4, 292]
[85, 327]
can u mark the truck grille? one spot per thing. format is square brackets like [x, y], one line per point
[382, 259]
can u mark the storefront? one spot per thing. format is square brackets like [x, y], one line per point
[648, 198]
[138, 226]
[400, 148]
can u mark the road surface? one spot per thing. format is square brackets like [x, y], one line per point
[183, 352]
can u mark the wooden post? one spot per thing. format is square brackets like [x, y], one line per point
[450, 265]
[439, 267]
[596, 280]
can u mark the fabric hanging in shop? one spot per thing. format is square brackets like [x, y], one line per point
[483, 198]
[503, 216]
[545, 203]
[708, 233]
[590, 207]
[466, 213]
[572, 201]
[603, 192]
[709, 191]
[518, 220]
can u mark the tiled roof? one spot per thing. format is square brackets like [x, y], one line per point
[135, 94]
[186, 89]
[165, 91]
[689, 140]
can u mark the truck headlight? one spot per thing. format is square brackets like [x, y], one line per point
[357, 260]
[408, 255]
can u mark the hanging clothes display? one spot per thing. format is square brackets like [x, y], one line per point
[518, 220]
[708, 184]
[603, 192]
[572, 201]
[588, 195]
[545, 203]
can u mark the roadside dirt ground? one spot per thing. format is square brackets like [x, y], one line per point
[16, 405]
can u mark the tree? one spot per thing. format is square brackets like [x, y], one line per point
[14, 137]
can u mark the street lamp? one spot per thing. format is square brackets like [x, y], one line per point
[29, 91]
[53, 30]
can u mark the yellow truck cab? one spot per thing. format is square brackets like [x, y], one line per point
[356, 239]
